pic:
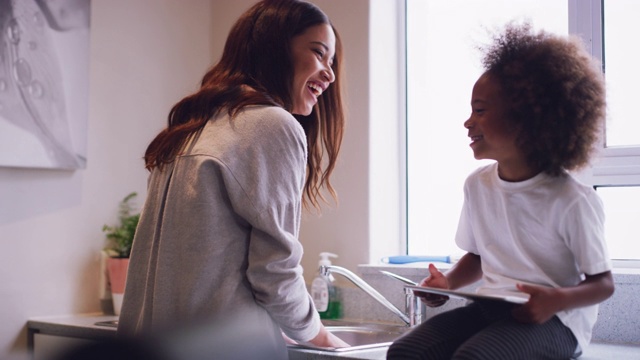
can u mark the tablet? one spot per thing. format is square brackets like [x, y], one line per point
[471, 296]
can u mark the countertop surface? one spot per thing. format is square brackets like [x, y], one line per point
[84, 326]
[76, 325]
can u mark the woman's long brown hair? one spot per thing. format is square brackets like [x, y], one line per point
[256, 69]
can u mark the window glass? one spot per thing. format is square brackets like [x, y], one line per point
[621, 220]
[622, 72]
[442, 66]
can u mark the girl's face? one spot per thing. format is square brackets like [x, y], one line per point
[312, 53]
[492, 136]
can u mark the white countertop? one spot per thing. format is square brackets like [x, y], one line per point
[84, 326]
[75, 325]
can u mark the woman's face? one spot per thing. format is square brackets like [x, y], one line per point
[312, 53]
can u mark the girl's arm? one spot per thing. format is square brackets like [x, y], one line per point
[545, 302]
[466, 271]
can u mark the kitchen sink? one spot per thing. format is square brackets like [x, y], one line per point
[360, 335]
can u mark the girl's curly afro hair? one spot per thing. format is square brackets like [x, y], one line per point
[556, 95]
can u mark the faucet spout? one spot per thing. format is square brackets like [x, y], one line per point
[328, 269]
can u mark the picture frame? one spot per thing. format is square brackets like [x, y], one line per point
[44, 83]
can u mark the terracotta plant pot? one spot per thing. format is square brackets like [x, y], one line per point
[117, 270]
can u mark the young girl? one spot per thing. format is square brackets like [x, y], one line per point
[529, 227]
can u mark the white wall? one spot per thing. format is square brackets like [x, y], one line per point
[344, 229]
[145, 55]
[366, 224]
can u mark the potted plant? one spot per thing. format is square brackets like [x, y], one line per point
[118, 249]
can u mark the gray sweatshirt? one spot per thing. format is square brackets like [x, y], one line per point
[218, 234]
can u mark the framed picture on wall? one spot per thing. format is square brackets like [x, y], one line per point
[44, 83]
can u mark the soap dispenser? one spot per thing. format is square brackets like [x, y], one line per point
[324, 292]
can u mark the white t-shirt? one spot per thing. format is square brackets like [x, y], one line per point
[545, 231]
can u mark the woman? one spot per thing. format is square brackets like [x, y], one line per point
[229, 175]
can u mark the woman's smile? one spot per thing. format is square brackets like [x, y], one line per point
[313, 53]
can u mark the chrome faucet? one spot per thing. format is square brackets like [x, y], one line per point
[413, 307]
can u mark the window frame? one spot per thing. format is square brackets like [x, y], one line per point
[617, 165]
[614, 166]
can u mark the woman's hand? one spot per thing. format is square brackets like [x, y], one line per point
[436, 279]
[288, 340]
[328, 340]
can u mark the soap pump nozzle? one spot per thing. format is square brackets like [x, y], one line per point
[325, 261]
[324, 258]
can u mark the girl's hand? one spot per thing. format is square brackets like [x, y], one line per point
[436, 279]
[543, 304]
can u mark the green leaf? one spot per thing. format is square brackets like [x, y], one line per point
[120, 237]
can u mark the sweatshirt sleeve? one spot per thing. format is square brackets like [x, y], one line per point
[271, 172]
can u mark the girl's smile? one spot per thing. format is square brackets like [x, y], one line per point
[492, 135]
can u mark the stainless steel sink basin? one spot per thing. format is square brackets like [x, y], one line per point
[361, 335]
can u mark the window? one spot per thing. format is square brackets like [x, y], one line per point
[442, 66]
[616, 174]
[622, 72]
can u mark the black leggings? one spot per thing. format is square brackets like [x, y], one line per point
[487, 331]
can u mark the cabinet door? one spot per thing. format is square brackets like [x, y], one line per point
[48, 347]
